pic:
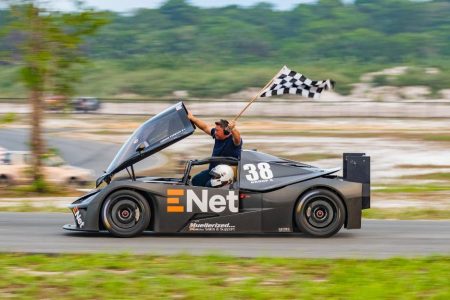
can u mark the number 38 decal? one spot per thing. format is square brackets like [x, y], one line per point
[260, 171]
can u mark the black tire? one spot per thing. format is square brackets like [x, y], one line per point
[74, 182]
[126, 213]
[4, 181]
[320, 213]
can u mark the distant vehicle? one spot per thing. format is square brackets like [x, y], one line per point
[15, 169]
[86, 104]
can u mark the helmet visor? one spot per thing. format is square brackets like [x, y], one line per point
[214, 174]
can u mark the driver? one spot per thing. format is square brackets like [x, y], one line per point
[227, 143]
[221, 175]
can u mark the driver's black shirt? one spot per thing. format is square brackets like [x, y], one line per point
[225, 148]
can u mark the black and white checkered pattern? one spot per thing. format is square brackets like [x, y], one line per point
[290, 82]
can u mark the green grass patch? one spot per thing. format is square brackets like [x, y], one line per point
[27, 206]
[430, 176]
[409, 166]
[413, 188]
[407, 214]
[8, 118]
[437, 137]
[50, 190]
[123, 276]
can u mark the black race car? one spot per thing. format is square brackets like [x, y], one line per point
[269, 194]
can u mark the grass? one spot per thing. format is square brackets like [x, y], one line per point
[410, 166]
[438, 137]
[123, 276]
[407, 214]
[8, 118]
[27, 206]
[430, 176]
[25, 191]
[414, 188]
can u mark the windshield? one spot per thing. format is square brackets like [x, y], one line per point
[157, 133]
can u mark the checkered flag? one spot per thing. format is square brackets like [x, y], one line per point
[291, 82]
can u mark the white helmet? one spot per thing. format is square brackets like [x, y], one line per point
[221, 175]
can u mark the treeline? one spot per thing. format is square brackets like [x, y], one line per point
[387, 31]
[347, 38]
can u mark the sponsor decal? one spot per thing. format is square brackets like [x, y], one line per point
[204, 203]
[173, 135]
[212, 227]
[258, 173]
[78, 218]
[284, 229]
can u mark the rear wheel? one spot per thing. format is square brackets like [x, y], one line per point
[126, 213]
[320, 213]
[4, 181]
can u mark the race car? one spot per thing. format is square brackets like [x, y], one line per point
[269, 194]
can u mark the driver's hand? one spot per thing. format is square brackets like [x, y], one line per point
[190, 115]
[232, 125]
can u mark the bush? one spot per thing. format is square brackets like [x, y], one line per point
[8, 118]
[40, 186]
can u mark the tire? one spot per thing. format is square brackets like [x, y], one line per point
[126, 213]
[73, 182]
[4, 181]
[320, 213]
[76, 183]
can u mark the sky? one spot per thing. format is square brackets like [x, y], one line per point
[129, 5]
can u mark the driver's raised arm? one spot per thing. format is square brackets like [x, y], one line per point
[199, 123]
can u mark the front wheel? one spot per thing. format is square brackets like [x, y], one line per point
[4, 181]
[126, 213]
[320, 213]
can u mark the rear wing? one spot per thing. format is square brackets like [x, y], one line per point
[356, 168]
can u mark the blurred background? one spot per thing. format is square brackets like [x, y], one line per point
[76, 79]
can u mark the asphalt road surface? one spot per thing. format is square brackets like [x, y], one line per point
[42, 233]
[84, 154]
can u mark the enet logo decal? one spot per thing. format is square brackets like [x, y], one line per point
[77, 215]
[174, 200]
[216, 203]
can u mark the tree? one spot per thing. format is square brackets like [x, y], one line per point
[49, 48]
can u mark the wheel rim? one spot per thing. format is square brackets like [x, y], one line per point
[320, 213]
[126, 212]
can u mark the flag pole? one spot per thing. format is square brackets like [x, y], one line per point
[258, 94]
